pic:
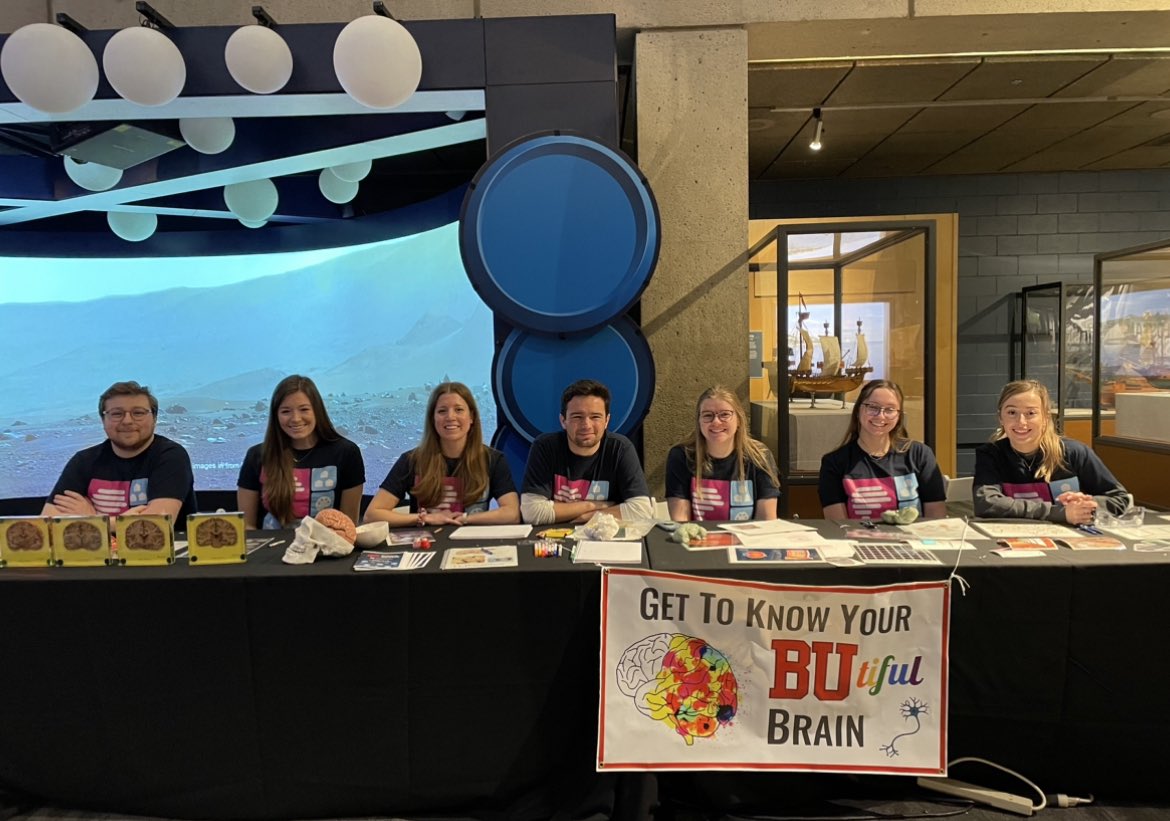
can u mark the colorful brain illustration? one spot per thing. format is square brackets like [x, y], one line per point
[681, 681]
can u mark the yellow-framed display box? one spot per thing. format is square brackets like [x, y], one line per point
[81, 541]
[144, 539]
[25, 541]
[216, 538]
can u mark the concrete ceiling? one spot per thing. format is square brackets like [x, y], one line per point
[1060, 93]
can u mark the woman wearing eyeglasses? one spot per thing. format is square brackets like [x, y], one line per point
[719, 473]
[303, 466]
[878, 467]
[1028, 471]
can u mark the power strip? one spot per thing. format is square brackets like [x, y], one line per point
[980, 795]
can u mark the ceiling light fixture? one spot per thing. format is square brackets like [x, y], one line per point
[816, 143]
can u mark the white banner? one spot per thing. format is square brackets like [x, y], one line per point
[703, 673]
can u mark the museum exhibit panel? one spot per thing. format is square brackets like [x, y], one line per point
[1131, 368]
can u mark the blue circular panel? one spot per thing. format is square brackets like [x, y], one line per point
[532, 370]
[515, 449]
[559, 233]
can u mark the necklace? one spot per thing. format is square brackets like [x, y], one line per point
[297, 459]
[876, 453]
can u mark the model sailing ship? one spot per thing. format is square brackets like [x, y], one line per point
[833, 376]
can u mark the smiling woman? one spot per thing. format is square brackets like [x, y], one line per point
[1029, 471]
[719, 473]
[451, 477]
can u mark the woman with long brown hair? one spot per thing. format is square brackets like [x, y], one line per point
[878, 467]
[1029, 471]
[719, 473]
[452, 476]
[303, 466]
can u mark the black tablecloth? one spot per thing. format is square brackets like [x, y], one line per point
[266, 690]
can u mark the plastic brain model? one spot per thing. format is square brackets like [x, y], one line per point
[339, 523]
[681, 681]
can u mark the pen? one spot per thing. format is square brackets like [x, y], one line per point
[1089, 529]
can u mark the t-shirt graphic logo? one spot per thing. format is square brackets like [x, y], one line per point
[576, 490]
[1032, 491]
[111, 497]
[868, 498]
[324, 478]
[718, 499]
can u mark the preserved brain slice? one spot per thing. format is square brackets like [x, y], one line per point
[82, 536]
[215, 533]
[144, 535]
[24, 536]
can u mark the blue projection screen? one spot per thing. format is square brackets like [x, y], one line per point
[375, 326]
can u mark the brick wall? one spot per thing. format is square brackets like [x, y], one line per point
[1015, 230]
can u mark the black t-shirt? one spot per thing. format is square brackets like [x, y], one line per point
[113, 485]
[869, 486]
[721, 496]
[320, 475]
[401, 479]
[1006, 485]
[612, 474]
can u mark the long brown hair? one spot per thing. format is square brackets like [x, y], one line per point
[429, 464]
[695, 446]
[899, 436]
[1051, 449]
[276, 454]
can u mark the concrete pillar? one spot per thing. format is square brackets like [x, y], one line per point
[692, 146]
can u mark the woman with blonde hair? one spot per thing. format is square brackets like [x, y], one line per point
[719, 473]
[878, 467]
[1029, 471]
[452, 476]
[303, 466]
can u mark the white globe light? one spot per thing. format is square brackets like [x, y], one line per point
[253, 223]
[377, 61]
[336, 189]
[254, 200]
[49, 68]
[91, 176]
[208, 135]
[132, 226]
[258, 59]
[352, 171]
[144, 66]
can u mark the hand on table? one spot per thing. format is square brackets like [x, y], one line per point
[72, 503]
[1079, 508]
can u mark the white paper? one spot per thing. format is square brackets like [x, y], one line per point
[1011, 553]
[796, 539]
[938, 529]
[492, 532]
[608, 553]
[1024, 530]
[1137, 534]
[764, 527]
[944, 544]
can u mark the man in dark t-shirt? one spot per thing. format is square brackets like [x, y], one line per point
[584, 469]
[133, 471]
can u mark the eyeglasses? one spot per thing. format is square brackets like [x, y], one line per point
[878, 410]
[723, 416]
[117, 415]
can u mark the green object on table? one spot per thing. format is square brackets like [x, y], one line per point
[690, 532]
[901, 516]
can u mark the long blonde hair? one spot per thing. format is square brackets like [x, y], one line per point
[695, 446]
[1051, 449]
[429, 463]
[899, 436]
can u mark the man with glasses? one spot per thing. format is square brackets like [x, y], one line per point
[133, 471]
[583, 470]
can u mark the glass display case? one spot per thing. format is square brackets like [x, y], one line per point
[833, 306]
[1056, 349]
[1131, 369]
[1132, 375]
